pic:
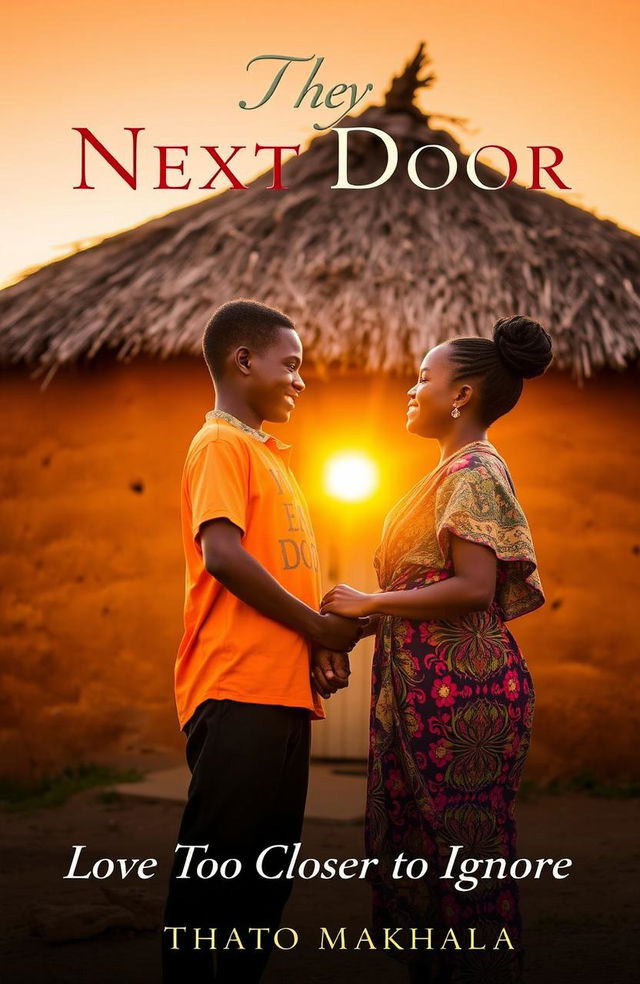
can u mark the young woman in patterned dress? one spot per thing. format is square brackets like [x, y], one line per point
[452, 699]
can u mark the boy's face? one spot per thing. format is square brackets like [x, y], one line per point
[275, 381]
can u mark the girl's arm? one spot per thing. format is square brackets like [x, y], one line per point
[470, 589]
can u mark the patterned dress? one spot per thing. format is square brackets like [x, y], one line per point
[451, 713]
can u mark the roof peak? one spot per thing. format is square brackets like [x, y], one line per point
[401, 94]
[400, 97]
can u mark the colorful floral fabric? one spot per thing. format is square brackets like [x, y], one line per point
[452, 705]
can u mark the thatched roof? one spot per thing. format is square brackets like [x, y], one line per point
[373, 278]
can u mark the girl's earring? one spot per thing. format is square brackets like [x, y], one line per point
[455, 412]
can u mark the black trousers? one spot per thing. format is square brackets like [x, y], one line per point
[250, 767]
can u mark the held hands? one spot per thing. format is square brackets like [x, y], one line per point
[334, 637]
[337, 633]
[346, 601]
[330, 671]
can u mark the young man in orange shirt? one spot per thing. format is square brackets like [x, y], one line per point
[243, 673]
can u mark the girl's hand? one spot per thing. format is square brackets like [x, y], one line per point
[346, 601]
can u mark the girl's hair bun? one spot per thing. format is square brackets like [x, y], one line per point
[523, 345]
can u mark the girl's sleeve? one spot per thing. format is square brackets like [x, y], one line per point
[476, 503]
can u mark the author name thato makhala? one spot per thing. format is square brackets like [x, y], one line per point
[343, 938]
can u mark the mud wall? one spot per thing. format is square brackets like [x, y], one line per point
[91, 563]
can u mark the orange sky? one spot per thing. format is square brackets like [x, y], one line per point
[563, 73]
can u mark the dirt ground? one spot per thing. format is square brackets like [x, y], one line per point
[577, 930]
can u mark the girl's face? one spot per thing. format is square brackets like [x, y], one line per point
[431, 399]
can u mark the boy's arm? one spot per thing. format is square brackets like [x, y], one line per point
[226, 559]
[372, 625]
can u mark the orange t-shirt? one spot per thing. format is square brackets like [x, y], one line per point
[229, 650]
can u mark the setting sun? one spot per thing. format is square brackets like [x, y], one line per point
[351, 476]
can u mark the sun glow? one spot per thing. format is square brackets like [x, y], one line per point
[351, 476]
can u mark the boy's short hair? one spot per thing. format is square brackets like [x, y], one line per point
[236, 323]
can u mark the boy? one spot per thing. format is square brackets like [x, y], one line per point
[242, 678]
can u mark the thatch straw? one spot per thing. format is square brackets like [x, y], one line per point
[373, 278]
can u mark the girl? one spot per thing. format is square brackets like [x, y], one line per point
[452, 699]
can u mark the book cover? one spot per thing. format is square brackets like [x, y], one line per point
[390, 178]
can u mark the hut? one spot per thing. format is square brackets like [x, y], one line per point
[92, 447]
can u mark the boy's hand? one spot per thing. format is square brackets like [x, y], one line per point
[338, 633]
[329, 671]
